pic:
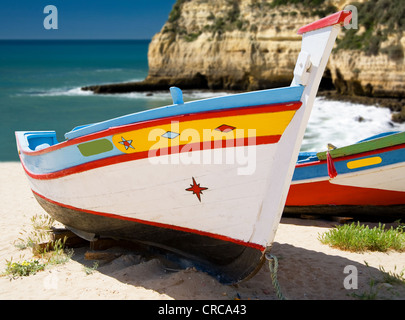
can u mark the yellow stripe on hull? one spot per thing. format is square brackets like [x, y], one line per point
[195, 131]
[363, 162]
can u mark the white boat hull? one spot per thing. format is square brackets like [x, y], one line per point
[157, 193]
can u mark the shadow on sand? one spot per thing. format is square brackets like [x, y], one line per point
[302, 274]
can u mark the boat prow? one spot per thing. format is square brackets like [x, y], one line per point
[204, 180]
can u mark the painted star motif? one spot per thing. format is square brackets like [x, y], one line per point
[126, 143]
[196, 189]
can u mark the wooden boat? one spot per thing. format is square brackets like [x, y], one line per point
[203, 181]
[367, 177]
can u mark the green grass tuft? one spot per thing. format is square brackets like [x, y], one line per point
[359, 238]
[24, 268]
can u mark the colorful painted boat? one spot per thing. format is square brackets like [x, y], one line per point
[367, 177]
[204, 180]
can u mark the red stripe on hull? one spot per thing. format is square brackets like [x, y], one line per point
[326, 193]
[207, 145]
[157, 224]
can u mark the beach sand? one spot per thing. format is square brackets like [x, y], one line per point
[308, 270]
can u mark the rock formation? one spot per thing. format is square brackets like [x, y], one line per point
[253, 44]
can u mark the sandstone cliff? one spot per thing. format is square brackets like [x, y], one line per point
[253, 44]
[222, 44]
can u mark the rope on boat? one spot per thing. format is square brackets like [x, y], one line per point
[273, 266]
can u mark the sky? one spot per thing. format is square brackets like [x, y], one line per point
[83, 19]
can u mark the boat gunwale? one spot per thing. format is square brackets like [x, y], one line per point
[265, 108]
[353, 156]
[227, 102]
[392, 140]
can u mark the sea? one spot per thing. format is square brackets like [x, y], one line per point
[41, 81]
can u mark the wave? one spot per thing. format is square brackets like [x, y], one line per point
[110, 70]
[165, 95]
[344, 123]
[56, 92]
[188, 95]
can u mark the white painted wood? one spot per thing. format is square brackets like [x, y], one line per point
[390, 177]
[301, 70]
[157, 193]
[318, 44]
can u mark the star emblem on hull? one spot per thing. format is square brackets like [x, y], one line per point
[196, 189]
[126, 143]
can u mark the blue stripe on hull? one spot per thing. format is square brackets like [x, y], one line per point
[321, 170]
[255, 98]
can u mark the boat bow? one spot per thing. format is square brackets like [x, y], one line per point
[204, 180]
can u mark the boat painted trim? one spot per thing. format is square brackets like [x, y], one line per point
[266, 108]
[254, 98]
[318, 169]
[342, 17]
[155, 224]
[64, 159]
[365, 146]
[145, 154]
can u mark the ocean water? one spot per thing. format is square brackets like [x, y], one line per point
[40, 85]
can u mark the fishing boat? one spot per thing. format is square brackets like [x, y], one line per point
[204, 181]
[365, 178]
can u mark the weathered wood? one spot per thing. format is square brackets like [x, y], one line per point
[342, 220]
[107, 243]
[72, 240]
[309, 216]
[104, 256]
[394, 211]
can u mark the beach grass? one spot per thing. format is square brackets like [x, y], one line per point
[41, 226]
[393, 277]
[24, 268]
[358, 237]
[46, 251]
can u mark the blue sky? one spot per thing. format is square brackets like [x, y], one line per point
[84, 19]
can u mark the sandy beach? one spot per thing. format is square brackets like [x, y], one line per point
[308, 270]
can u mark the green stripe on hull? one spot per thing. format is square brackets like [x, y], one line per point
[384, 142]
[95, 147]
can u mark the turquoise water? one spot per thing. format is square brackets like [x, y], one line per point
[40, 85]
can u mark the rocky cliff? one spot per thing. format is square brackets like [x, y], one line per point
[253, 44]
[222, 44]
